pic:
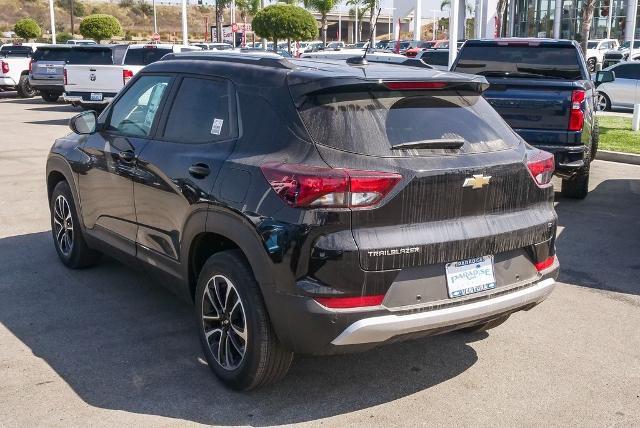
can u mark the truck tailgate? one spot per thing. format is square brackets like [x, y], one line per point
[94, 78]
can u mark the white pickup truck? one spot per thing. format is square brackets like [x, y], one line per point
[14, 68]
[95, 84]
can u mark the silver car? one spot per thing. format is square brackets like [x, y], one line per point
[624, 91]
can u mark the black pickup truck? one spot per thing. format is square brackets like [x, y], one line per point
[543, 90]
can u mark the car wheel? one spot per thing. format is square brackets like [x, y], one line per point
[595, 138]
[486, 325]
[238, 341]
[50, 97]
[591, 64]
[603, 102]
[25, 90]
[67, 234]
[576, 187]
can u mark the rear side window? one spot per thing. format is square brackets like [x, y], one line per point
[552, 62]
[16, 51]
[90, 56]
[201, 112]
[627, 71]
[436, 58]
[144, 56]
[47, 54]
[371, 122]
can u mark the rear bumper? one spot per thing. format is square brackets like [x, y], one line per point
[49, 85]
[85, 98]
[7, 81]
[381, 329]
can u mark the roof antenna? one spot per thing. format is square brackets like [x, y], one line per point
[362, 60]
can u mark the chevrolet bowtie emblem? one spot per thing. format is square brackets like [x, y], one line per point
[477, 181]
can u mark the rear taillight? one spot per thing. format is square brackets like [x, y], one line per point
[306, 186]
[545, 264]
[576, 117]
[410, 86]
[350, 302]
[64, 75]
[541, 166]
[5, 67]
[126, 76]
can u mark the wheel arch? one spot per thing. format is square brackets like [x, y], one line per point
[59, 170]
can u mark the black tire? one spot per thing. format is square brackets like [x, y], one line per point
[577, 187]
[595, 138]
[50, 97]
[591, 64]
[603, 102]
[486, 325]
[77, 254]
[24, 88]
[265, 360]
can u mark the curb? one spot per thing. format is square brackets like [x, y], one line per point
[630, 158]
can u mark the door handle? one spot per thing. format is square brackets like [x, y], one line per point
[199, 170]
[127, 155]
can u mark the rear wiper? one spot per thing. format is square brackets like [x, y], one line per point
[438, 143]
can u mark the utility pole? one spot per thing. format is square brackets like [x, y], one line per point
[155, 21]
[435, 24]
[53, 22]
[71, 13]
[356, 28]
[264, 39]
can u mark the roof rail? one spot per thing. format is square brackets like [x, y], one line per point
[253, 58]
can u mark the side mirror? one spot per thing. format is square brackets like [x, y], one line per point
[84, 123]
[605, 76]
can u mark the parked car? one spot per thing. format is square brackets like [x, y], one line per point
[622, 54]
[95, 84]
[437, 58]
[413, 52]
[624, 91]
[213, 46]
[46, 73]
[542, 88]
[335, 45]
[15, 60]
[85, 42]
[596, 50]
[315, 210]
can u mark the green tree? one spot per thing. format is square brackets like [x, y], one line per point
[323, 7]
[27, 28]
[365, 6]
[100, 27]
[352, 14]
[588, 7]
[63, 37]
[282, 21]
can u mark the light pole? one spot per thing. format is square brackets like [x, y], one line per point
[435, 24]
[53, 22]
[339, 24]
[155, 22]
[356, 26]
[185, 38]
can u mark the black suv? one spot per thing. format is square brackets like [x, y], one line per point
[309, 206]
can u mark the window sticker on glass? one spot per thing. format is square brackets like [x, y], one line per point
[216, 128]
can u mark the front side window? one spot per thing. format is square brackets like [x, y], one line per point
[134, 113]
[627, 71]
[145, 55]
[201, 112]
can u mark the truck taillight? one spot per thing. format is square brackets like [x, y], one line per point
[541, 166]
[5, 67]
[64, 74]
[305, 186]
[126, 76]
[576, 116]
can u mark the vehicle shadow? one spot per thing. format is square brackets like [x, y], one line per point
[123, 343]
[63, 122]
[599, 245]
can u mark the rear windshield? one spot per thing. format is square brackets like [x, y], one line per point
[145, 56]
[546, 62]
[16, 51]
[90, 56]
[371, 122]
[48, 54]
[436, 58]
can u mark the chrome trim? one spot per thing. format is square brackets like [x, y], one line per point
[379, 329]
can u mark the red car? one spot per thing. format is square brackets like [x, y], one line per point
[431, 44]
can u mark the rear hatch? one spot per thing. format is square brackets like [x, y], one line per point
[531, 84]
[452, 203]
[48, 63]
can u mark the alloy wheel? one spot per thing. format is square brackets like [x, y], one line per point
[224, 322]
[63, 225]
[601, 104]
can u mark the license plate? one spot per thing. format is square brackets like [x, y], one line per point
[51, 71]
[96, 96]
[470, 276]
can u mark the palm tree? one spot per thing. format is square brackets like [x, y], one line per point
[446, 4]
[323, 7]
[364, 6]
[585, 27]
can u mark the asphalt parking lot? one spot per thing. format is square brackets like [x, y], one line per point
[106, 346]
